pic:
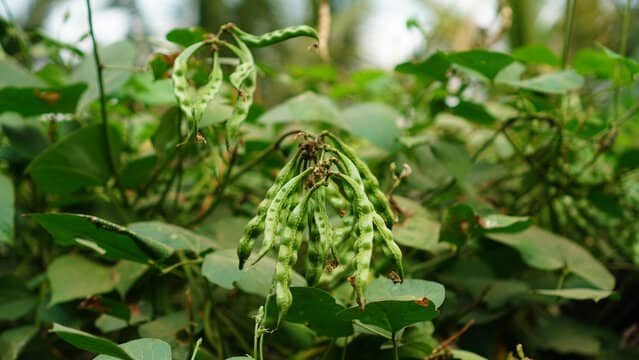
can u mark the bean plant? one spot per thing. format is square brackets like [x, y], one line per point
[205, 202]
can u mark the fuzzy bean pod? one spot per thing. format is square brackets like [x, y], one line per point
[371, 184]
[244, 79]
[386, 235]
[275, 36]
[274, 210]
[256, 225]
[364, 211]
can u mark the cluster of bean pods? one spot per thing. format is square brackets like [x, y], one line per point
[193, 101]
[326, 189]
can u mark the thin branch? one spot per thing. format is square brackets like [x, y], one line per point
[324, 29]
[99, 67]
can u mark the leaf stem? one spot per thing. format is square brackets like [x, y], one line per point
[395, 349]
[99, 67]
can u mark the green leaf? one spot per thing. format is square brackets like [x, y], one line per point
[175, 237]
[536, 54]
[138, 171]
[566, 337]
[77, 161]
[128, 273]
[318, 310]
[165, 327]
[111, 240]
[459, 225]
[221, 268]
[375, 122]
[554, 83]
[26, 137]
[7, 210]
[417, 229]
[144, 349]
[117, 58]
[12, 341]
[14, 74]
[30, 101]
[576, 293]
[186, 36]
[454, 157]
[90, 343]
[73, 277]
[434, 67]
[544, 250]
[487, 63]
[394, 306]
[473, 112]
[503, 223]
[465, 355]
[307, 107]
[16, 300]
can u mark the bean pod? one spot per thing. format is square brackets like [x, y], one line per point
[274, 37]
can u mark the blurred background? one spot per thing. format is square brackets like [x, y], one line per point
[364, 33]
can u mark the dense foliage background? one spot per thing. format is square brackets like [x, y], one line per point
[508, 151]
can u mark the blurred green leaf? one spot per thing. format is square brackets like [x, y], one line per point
[16, 300]
[186, 36]
[417, 229]
[144, 349]
[221, 268]
[375, 122]
[106, 238]
[90, 343]
[13, 341]
[15, 75]
[553, 83]
[73, 277]
[29, 101]
[536, 54]
[7, 210]
[474, 112]
[118, 60]
[307, 107]
[434, 67]
[487, 63]
[173, 236]
[77, 161]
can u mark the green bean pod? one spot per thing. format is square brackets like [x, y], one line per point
[335, 198]
[193, 102]
[371, 184]
[314, 259]
[275, 36]
[386, 235]
[364, 212]
[272, 219]
[244, 79]
[256, 225]
[287, 254]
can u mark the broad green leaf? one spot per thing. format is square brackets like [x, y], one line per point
[7, 210]
[106, 238]
[29, 101]
[318, 310]
[186, 36]
[143, 349]
[14, 74]
[566, 337]
[487, 63]
[544, 250]
[165, 327]
[473, 112]
[307, 107]
[73, 277]
[394, 306]
[536, 54]
[138, 171]
[128, 273]
[434, 67]
[16, 300]
[173, 236]
[12, 341]
[577, 294]
[375, 122]
[454, 157]
[417, 229]
[221, 268]
[75, 162]
[143, 88]
[554, 83]
[503, 223]
[91, 343]
[26, 138]
[117, 59]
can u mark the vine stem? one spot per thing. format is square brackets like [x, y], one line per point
[395, 348]
[99, 67]
[569, 19]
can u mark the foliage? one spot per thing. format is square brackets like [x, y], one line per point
[471, 200]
